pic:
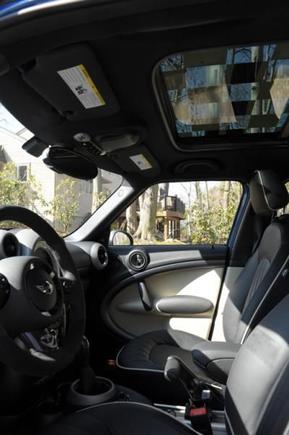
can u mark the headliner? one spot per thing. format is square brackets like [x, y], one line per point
[128, 38]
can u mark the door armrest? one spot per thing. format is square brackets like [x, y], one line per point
[184, 305]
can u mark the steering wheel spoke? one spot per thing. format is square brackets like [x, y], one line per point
[46, 341]
[69, 286]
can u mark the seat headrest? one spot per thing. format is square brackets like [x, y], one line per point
[267, 192]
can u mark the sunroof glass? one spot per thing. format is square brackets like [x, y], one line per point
[228, 91]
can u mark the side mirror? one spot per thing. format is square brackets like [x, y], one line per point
[119, 237]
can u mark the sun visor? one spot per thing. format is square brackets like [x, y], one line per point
[72, 81]
[139, 160]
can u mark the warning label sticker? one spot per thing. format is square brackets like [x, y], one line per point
[79, 81]
[141, 161]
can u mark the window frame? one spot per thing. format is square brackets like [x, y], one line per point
[102, 217]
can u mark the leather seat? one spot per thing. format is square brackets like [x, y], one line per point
[256, 397]
[250, 298]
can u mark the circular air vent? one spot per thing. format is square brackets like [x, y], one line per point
[102, 255]
[99, 256]
[137, 260]
[10, 245]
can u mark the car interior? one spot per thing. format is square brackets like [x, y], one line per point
[144, 223]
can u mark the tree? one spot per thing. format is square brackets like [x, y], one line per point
[100, 194]
[188, 188]
[64, 205]
[98, 199]
[208, 218]
[132, 218]
[148, 210]
[212, 219]
[26, 193]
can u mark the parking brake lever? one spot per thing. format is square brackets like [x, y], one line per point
[176, 371]
[199, 393]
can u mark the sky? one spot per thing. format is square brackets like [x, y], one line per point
[8, 121]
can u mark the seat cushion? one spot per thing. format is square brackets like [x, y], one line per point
[119, 418]
[150, 351]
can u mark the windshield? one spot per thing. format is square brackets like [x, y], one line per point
[63, 201]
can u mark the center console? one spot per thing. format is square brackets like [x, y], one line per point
[102, 390]
[179, 412]
[202, 393]
[205, 399]
[89, 389]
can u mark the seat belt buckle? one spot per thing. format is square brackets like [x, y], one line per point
[199, 417]
[198, 412]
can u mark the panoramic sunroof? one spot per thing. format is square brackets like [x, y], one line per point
[228, 91]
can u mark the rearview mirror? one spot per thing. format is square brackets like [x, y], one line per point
[118, 237]
[70, 162]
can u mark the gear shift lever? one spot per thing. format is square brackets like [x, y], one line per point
[87, 375]
[88, 389]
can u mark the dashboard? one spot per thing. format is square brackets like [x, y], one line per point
[18, 242]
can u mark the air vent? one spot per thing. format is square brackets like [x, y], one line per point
[10, 245]
[102, 255]
[137, 260]
[99, 256]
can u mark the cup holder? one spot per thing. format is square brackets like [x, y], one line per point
[102, 391]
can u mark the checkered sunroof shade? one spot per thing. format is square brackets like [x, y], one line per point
[228, 91]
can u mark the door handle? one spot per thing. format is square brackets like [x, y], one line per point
[144, 296]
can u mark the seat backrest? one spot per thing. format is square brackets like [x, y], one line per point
[258, 278]
[256, 398]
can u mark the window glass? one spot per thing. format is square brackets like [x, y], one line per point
[228, 91]
[183, 213]
[22, 172]
[65, 202]
[284, 210]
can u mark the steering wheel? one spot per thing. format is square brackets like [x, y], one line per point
[42, 311]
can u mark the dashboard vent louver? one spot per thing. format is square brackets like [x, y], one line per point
[137, 260]
[10, 245]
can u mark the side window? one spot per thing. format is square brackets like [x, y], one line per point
[22, 172]
[200, 212]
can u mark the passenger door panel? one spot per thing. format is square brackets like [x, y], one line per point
[171, 270]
